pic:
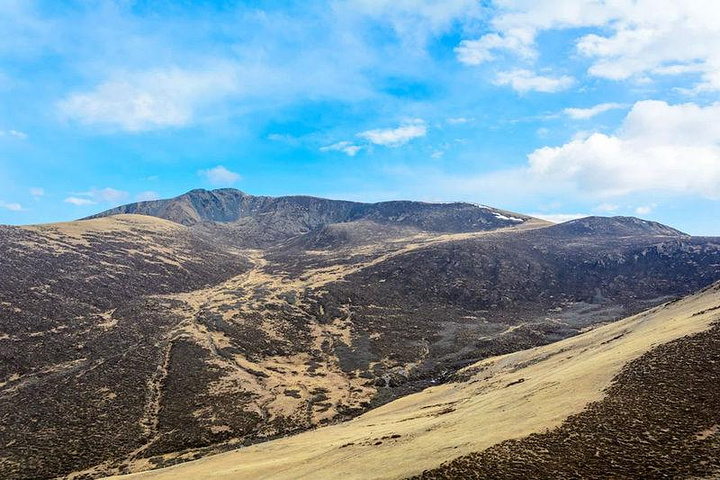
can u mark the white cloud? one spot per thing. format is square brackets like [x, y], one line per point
[219, 176]
[522, 81]
[14, 207]
[586, 113]
[458, 120]
[659, 147]
[559, 217]
[637, 37]
[395, 137]
[79, 201]
[97, 195]
[106, 194]
[582, 134]
[147, 196]
[475, 52]
[414, 21]
[18, 134]
[37, 192]
[149, 100]
[644, 210]
[517, 22]
[14, 133]
[347, 148]
[606, 208]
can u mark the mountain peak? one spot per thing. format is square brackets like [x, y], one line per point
[616, 226]
[278, 218]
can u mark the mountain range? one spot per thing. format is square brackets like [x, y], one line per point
[164, 331]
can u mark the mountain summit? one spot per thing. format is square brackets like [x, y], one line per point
[227, 205]
[616, 226]
[271, 219]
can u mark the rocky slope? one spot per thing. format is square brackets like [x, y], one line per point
[261, 221]
[140, 342]
[633, 399]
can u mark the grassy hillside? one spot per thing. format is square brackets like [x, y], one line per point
[495, 400]
[141, 343]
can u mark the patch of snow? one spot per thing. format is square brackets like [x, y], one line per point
[480, 205]
[503, 217]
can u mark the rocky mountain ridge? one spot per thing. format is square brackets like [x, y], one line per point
[267, 220]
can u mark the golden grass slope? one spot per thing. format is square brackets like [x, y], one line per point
[78, 231]
[504, 397]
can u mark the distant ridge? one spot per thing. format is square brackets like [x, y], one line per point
[615, 226]
[259, 221]
[301, 214]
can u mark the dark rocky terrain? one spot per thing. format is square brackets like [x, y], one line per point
[218, 319]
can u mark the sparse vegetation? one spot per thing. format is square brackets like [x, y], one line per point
[139, 342]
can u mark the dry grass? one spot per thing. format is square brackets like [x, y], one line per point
[510, 396]
[115, 223]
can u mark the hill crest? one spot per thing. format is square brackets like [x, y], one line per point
[266, 220]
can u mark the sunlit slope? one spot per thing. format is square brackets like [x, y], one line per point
[501, 398]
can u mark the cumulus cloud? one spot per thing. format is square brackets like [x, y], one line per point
[586, 113]
[475, 52]
[522, 81]
[659, 147]
[14, 207]
[79, 201]
[638, 37]
[149, 100]
[147, 196]
[395, 137]
[348, 148]
[37, 192]
[219, 176]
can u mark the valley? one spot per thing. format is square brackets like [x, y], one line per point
[532, 396]
[144, 342]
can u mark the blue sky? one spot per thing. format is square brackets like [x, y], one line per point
[558, 109]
